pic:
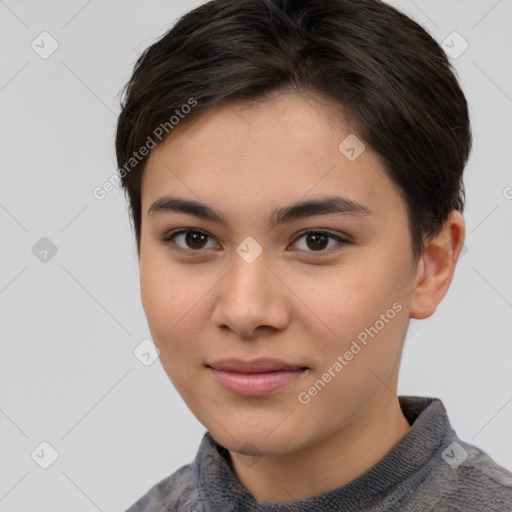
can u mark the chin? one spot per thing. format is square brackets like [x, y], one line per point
[254, 442]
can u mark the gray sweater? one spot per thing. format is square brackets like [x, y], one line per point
[429, 469]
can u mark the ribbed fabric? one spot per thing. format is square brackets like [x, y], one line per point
[423, 472]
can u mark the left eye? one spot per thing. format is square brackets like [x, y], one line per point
[195, 240]
[319, 239]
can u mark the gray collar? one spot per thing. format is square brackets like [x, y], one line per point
[420, 448]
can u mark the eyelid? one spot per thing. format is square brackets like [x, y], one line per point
[342, 241]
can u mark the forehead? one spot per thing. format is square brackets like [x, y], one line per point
[286, 147]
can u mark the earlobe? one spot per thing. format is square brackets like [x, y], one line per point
[437, 266]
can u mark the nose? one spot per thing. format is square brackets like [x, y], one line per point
[251, 298]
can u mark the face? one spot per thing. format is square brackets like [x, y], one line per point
[333, 302]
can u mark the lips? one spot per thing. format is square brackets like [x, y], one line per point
[262, 365]
[254, 378]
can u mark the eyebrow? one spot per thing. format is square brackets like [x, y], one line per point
[320, 206]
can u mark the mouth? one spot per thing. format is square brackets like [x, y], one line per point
[254, 378]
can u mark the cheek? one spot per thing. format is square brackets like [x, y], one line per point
[347, 298]
[355, 302]
[162, 292]
[174, 303]
[156, 289]
[163, 286]
[360, 349]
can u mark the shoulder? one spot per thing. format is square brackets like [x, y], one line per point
[468, 479]
[176, 492]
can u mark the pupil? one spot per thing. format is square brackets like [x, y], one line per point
[316, 238]
[190, 239]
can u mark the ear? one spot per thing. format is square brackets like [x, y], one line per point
[437, 266]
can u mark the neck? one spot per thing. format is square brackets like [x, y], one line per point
[334, 461]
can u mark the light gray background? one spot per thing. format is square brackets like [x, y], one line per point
[68, 375]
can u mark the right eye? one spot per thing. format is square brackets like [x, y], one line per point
[192, 240]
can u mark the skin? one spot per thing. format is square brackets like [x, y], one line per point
[296, 302]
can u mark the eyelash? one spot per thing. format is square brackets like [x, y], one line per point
[168, 240]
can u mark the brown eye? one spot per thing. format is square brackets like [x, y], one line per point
[318, 241]
[189, 239]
